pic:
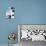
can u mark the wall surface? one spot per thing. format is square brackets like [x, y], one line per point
[27, 12]
[33, 27]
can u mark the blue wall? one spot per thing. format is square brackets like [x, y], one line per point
[27, 12]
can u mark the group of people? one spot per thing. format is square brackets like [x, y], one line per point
[10, 13]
